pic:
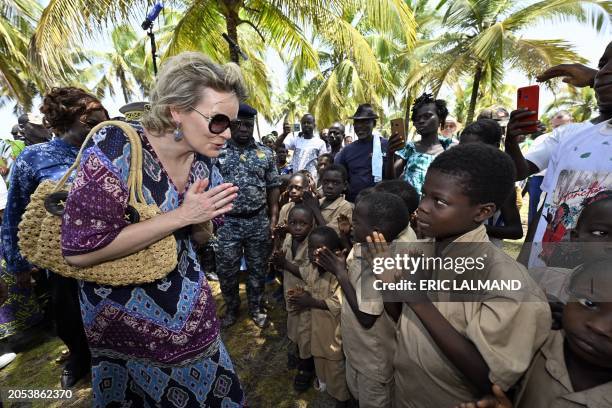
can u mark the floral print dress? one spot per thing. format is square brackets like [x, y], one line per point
[155, 344]
[417, 163]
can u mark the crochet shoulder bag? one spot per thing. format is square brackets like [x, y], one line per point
[40, 229]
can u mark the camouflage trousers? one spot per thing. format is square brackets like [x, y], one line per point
[251, 237]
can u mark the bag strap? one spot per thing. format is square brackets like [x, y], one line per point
[134, 182]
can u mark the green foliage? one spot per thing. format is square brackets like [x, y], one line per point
[339, 52]
[581, 103]
[17, 20]
[482, 40]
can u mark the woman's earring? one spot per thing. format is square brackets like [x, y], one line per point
[178, 133]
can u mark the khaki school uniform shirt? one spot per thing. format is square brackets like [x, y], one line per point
[338, 207]
[547, 383]
[507, 329]
[283, 215]
[369, 351]
[325, 334]
[297, 322]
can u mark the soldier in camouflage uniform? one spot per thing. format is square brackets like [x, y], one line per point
[251, 166]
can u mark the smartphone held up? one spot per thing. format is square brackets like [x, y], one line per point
[528, 97]
[398, 126]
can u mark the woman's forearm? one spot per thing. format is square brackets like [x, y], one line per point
[133, 238]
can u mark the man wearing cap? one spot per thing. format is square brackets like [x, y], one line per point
[135, 110]
[498, 114]
[33, 130]
[251, 166]
[364, 158]
[451, 128]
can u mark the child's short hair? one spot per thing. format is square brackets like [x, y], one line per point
[487, 130]
[364, 193]
[387, 211]
[328, 235]
[336, 167]
[300, 207]
[589, 201]
[403, 190]
[304, 176]
[326, 155]
[486, 173]
[281, 147]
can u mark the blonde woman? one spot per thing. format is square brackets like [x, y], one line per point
[158, 344]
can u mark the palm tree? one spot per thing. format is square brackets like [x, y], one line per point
[17, 19]
[252, 24]
[482, 39]
[293, 103]
[122, 65]
[351, 69]
[505, 97]
[581, 103]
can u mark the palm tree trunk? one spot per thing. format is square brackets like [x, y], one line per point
[474, 97]
[126, 94]
[231, 23]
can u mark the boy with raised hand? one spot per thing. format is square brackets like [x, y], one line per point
[452, 346]
[367, 331]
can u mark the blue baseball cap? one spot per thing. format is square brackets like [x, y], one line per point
[246, 111]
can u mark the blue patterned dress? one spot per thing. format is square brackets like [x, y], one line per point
[39, 162]
[417, 163]
[156, 344]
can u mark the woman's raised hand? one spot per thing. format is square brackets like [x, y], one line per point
[200, 206]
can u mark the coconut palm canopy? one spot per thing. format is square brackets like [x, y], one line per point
[339, 53]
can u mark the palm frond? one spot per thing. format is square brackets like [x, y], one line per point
[200, 29]
[534, 56]
[64, 24]
[561, 11]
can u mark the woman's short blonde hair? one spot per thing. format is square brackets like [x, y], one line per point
[179, 85]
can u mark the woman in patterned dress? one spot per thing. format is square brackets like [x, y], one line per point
[158, 344]
[411, 161]
[71, 113]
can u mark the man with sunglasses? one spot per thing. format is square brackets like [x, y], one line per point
[251, 166]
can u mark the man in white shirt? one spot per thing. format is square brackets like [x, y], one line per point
[578, 158]
[534, 182]
[306, 146]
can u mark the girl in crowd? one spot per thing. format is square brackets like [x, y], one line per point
[413, 159]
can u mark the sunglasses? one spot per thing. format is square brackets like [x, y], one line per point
[219, 122]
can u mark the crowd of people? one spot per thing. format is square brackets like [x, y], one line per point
[307, 214]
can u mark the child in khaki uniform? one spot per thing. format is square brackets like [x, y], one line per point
[573, 369]
[449, 349]
[294, 252]
[321, 298]
[368, 334]
[332, 209]
[298, 183]
[591, 238]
